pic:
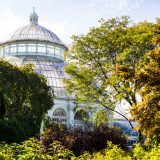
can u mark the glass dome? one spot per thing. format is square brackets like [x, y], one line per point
[34, 44]
[35, 32]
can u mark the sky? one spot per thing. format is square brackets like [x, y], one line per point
[72, 17]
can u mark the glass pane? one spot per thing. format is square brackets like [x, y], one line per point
[22, 49]
[6, 49]
[42, 49]
[32, 48]
[13, 49]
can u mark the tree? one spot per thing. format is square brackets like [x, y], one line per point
[95, 59]
[147, 112]
[25, 98]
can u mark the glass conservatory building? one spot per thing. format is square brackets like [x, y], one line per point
[34, 44]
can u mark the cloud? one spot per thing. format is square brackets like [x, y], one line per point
[113, 6]
[9, 22]
[63, 29]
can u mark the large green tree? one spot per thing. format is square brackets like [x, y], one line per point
[96, 58]
[147, 112]
[25, 98]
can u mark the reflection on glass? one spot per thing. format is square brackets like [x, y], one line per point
[13, 49]
[6, 49]
[31, 47]
[21, 48]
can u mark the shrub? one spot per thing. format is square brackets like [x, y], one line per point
[78, 140]
[112, 152]
[12, 130]
[32, 149]
[17, 129]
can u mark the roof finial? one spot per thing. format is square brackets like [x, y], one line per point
[33, 9]
[34, 17]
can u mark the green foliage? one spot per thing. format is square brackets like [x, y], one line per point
[13, 130]
[99, 60]
[33, 149]
[147, 76]
[156, 32]
[146, 113]
[139, 152]
[25, 98]
[113, 152]
[100, 118]
[58, 151]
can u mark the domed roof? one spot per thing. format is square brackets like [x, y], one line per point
[34, 31]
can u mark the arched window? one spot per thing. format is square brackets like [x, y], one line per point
[81, 115]
[80, 119]
[59, 112]
[60, 116]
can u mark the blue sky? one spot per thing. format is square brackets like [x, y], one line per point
[72, 17]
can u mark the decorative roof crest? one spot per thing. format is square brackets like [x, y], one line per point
[34, 17]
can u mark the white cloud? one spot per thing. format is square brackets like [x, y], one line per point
[9, 22]
[63, 29]
[113, 6]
